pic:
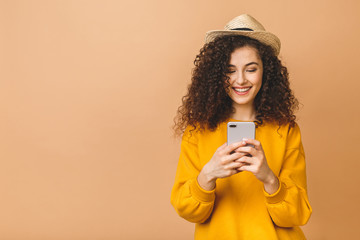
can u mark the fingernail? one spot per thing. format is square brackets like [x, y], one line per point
[245, 139]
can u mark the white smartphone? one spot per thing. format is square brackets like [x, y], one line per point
[236, 131]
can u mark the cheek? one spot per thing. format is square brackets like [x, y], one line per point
[228, 84]
[258, 80]
[258, 85]
[231, 80]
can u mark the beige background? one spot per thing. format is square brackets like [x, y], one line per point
[88, 91]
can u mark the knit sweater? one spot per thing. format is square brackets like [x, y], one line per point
[238, 207]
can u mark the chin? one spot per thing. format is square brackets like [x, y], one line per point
[242, 101]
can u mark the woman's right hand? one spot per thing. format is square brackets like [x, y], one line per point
[221, 165]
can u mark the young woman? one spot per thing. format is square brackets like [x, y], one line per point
[238, 191]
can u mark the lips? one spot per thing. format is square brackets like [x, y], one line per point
[241, 90]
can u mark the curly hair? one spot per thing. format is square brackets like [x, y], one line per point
[207, 103]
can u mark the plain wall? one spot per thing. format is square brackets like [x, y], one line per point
[89, 90]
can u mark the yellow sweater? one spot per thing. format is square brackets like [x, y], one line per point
[239, 208]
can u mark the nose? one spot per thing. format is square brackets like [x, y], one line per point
[240, 78]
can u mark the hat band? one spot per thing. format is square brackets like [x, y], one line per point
[242, 29]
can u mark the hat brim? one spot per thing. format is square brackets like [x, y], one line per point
[266, 38]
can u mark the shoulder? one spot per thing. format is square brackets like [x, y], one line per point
[287, 132]
[198, 134]
[295, 129]
[282, 129]
[191, 134]
[293, 136]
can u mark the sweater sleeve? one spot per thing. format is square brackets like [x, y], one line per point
[289, 206]
[189, 200]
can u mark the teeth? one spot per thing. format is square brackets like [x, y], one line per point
[241, 89]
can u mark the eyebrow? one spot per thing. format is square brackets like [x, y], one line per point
[248, 64]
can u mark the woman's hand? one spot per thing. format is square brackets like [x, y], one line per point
[254, 161]
[222, 164]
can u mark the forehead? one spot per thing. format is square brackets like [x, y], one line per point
[244, 55]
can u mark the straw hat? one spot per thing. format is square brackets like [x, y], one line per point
[248, 26]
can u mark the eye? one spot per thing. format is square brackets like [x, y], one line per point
[251, 70]
[230, 71]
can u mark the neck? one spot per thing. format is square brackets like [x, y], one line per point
[244, 113]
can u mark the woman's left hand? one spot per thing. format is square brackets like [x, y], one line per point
[255, 162]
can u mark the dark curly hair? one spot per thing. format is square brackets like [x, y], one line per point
[207, 103]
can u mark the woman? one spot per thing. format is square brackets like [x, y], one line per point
[238, 191]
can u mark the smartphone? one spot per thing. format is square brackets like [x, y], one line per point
[236, 131]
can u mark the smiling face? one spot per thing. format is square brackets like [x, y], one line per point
[245, 71]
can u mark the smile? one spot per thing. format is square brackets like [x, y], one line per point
[242, 91]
